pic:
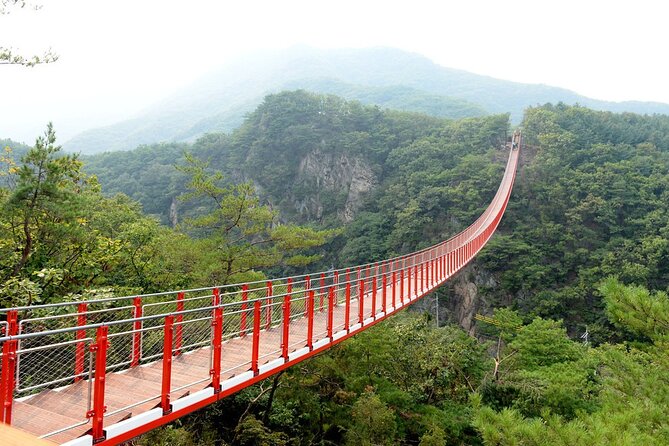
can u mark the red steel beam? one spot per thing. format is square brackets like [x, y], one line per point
[167, 365]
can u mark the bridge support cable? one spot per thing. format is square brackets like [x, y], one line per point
[156, 357]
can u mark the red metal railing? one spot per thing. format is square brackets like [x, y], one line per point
[289, 319]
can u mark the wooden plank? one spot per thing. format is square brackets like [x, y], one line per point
[10, 436]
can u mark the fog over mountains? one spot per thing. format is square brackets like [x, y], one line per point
[386, 77]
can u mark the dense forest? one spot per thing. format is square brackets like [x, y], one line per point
[334, 182]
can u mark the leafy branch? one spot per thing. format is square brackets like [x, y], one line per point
[9, 56]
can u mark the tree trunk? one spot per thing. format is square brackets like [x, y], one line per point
[270, 400]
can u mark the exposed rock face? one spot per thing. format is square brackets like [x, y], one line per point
[342, 177]
[460, 299]
[466, 303]
[174, 216]
[465, 300]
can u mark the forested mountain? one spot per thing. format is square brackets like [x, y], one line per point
[381, 76]
[312, 156]
[10, 151]
[341, 183]
[592, 197]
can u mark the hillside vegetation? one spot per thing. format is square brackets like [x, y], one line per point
[331, 182]
[592, 196]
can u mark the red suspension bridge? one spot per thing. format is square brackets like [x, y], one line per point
[104, 371]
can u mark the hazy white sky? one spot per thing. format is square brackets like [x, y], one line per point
[117, 57]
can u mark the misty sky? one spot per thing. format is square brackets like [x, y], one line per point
[117, 57]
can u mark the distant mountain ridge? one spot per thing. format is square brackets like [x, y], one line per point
[386, 77]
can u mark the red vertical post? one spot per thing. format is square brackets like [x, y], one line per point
[361, 295]
[422, 277]
[374, 297]
[330, 312]
[310, 319]
[347, 309]
[394, 286]
[167, 365]
[415, 279]
[430, 273]
[255, 348]
[433, 270]
[447, 269]
[217, 344]
[443, 266]
[136, 332]
[409, 282]
[80, 352]
[454, 257]
[244, 308]
[99, 408]
[402, 286]
[310, 303]
[178, 326]
[321, 293]
[384, 293]
[8, 377]
[448, 264]
[368, 282]
[269, 303]
[286, 321]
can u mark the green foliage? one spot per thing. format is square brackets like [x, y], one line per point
[60, 238]
[634, 308]
[239, 234]
[252, 432]
[170, 436]
[58, 235]
[146, 174]
[609, 395]
[435, 437]
[543, 343]
[390, 385]
[372, 422]
[11, 56]
[591, 200]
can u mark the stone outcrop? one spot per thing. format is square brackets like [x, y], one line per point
[338, 175]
